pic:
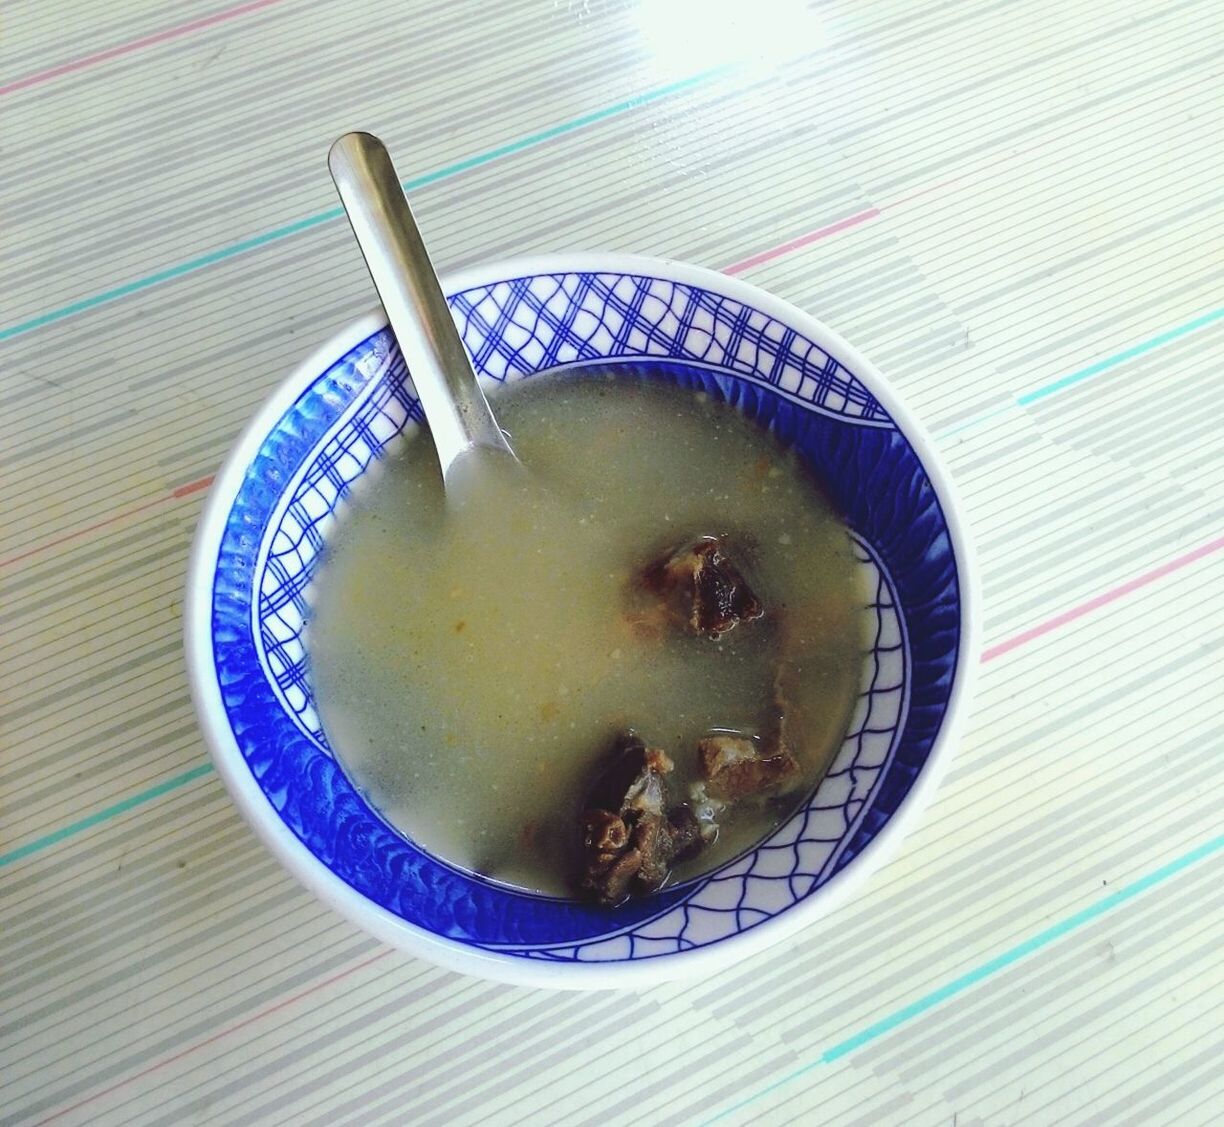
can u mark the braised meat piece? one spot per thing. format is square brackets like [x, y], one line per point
[629, 839]
[687, 833]
[632, 778]
[736, 767]
[702, 588]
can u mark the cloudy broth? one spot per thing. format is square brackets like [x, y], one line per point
[473, 659]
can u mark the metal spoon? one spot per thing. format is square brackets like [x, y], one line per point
[457, 412]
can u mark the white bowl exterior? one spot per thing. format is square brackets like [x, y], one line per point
[398, 932]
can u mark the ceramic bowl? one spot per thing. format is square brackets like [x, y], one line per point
[278, 499]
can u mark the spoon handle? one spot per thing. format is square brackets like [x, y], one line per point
[457, 412]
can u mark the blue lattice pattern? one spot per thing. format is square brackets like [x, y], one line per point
[528, 324]
[801, 854]
[299, 530]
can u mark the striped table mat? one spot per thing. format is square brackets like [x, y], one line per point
[1014, 206]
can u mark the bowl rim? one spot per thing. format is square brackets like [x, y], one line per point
[398, 932]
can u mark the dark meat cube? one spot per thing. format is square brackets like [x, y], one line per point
[651, 842]
[737, 767]
[629, 840]
[610, 864]
[632, 778]
[703, 588]
[687, 837]
[603, 832]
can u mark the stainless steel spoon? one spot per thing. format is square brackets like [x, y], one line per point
[458, 414]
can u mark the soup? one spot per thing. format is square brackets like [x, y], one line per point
[475, 656]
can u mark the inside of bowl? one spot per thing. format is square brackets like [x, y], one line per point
[330, 442]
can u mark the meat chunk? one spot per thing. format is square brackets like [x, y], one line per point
[702, 588]
[736, 767]
[632, 778]
[687, 833]
[629, 838]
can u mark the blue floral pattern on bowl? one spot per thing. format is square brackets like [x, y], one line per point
[346, 420]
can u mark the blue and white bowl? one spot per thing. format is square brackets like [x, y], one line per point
[278, 499]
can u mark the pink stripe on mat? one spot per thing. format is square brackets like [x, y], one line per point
[114, 518]
[802, 241]
[151, 40]
[1102, 600]
[974, 172]
[339, 977]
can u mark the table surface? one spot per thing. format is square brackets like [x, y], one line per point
[1014, 208]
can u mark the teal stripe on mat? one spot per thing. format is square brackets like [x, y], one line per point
[104, 815]
[1113, 361]
[412, 185]
[987, 969]
[1075, 378]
